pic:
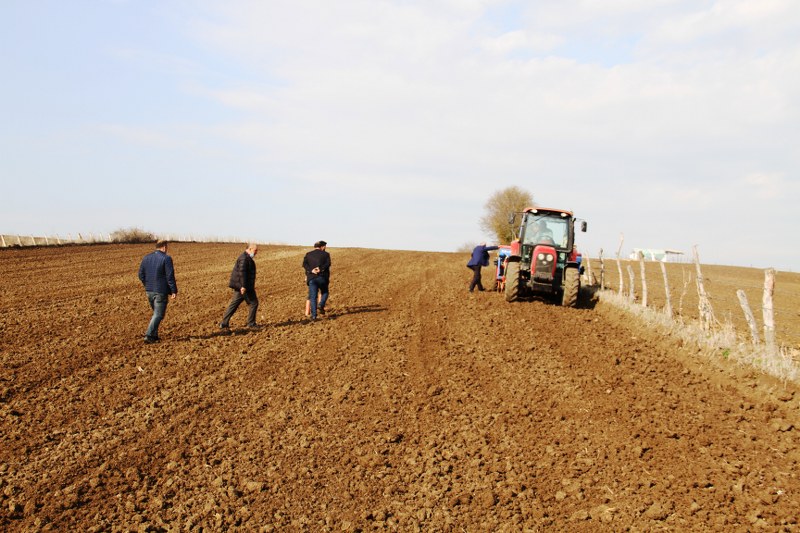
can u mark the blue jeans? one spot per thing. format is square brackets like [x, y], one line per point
[158, 303]
[315, 285]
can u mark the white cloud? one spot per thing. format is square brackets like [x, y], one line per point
[768, 186]
[246, 99]
[151, 60]
[726, 29]
[521, 41]
[392, 187]
[147, 137]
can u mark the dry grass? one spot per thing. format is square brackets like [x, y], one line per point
[720, 341]
[466, 248]
[132, 236]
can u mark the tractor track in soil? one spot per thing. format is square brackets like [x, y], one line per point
[412, 405]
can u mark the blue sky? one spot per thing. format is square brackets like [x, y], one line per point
[389, 123]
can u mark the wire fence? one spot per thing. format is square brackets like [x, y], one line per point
[9, 241]
[23, 241]
[642, 282]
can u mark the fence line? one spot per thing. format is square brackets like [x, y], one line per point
[20, 241]
[782, 359]
[9, 241]
[756, 306]
[706, 316]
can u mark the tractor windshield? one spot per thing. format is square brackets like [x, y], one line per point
[546, 230]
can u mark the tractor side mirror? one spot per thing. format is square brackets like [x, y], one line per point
[511, 218]
[584, 225]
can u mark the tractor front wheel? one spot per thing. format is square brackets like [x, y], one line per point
[572, 285]
[512, 282]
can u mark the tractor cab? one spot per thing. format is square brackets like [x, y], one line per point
[546, 229]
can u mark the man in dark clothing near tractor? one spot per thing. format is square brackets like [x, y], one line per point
[479, 259]
[157, 274]
[317, 264]
[243, 283]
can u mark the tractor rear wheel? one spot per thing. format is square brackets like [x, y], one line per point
[572, 285]
[512, 282]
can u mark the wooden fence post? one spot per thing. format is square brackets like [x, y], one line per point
[748, 315]
[668, 306]
[703, 303]
[644, 279]
[619, 266]
[768, 309]
[632, 294]
[602, 272]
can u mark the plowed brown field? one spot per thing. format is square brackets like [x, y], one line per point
[412, 405]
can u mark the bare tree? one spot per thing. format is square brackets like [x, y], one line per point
[499, 206]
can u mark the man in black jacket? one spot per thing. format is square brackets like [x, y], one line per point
[243, 283]
[317, 264]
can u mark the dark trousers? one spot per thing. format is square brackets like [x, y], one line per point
[476, 278]
[252, 302]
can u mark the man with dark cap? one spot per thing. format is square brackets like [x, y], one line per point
[317, 264]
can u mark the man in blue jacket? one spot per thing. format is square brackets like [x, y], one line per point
[243, 283]
[158, 277]
[479, 259]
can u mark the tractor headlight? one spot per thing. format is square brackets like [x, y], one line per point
[540, 257]
[549, 257]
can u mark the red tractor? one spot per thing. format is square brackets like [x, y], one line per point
[544, 260]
